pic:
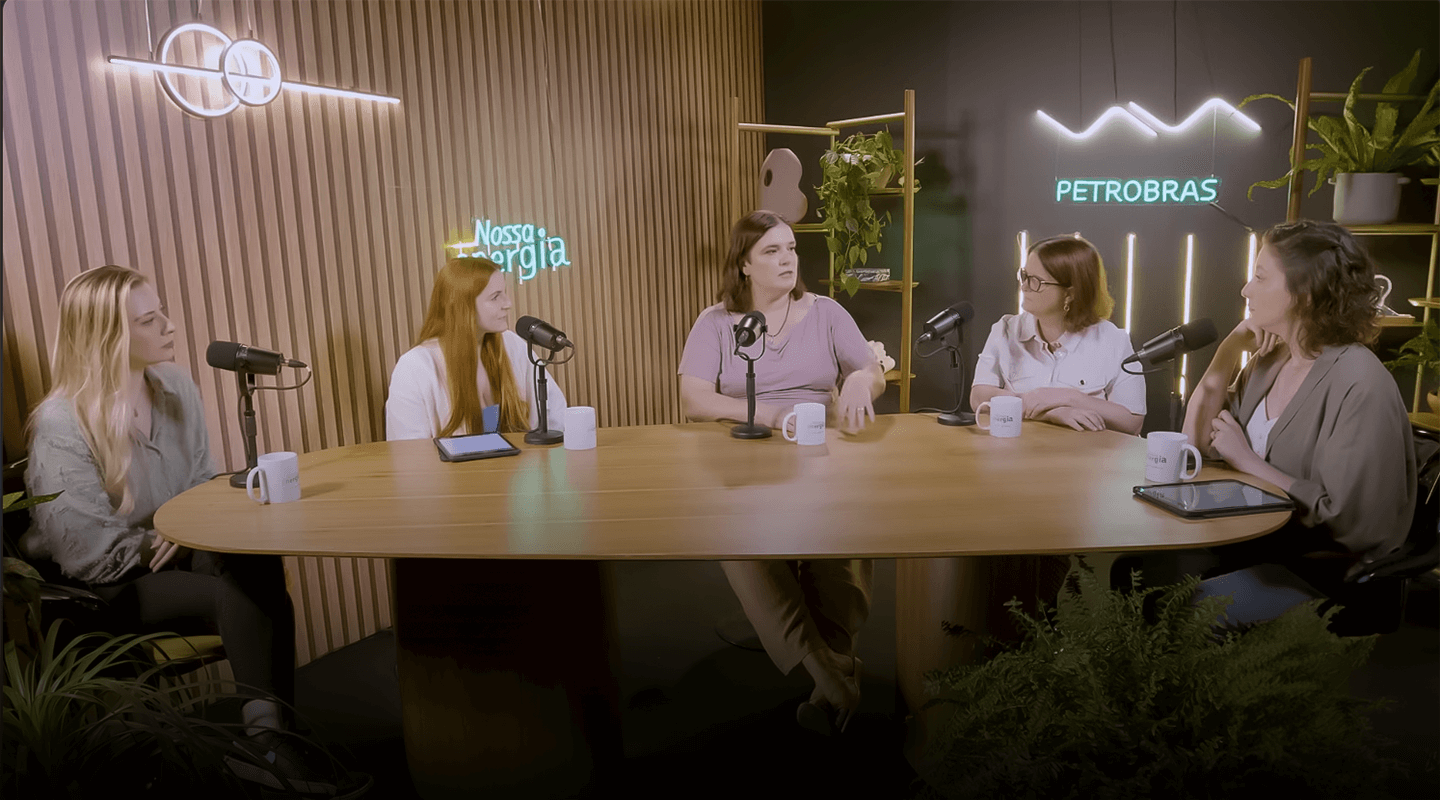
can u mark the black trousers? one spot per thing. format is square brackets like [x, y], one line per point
[240, 597]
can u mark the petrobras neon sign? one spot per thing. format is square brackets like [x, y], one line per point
[523, 249]
[1136, 191]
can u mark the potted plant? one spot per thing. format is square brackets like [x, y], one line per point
[1423, 353]
[858, 165]
[1116, 694]
[1365, 160]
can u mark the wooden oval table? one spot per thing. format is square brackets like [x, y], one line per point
[503, 618]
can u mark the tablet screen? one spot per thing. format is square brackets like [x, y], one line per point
[462, 446]
[1210, 496]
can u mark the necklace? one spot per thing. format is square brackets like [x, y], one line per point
[783, 322]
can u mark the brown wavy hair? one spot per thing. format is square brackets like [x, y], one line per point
[451, 319]
[734, 286]
[1332, 281]
[1076, 264]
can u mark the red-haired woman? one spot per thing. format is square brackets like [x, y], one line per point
[461, 377]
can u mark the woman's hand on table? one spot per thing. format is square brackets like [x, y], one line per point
[1039, 402]
[1078, 418]
[855, 406]
[1227, 440]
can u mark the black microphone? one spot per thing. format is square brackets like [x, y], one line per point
[1184, 339]
[749, 328]
[244, 358]
[947, 320]
[541, 333]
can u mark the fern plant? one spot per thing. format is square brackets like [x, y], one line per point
[856, 166]
[1114, 694]
[1422, 351]
[1347, 145]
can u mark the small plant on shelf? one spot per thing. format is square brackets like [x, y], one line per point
[1347, 146]
[857, 166]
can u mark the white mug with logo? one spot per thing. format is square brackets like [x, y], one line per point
[277, 475]
[580, 428]
[809, 424]
[1165, 457]
[1006, 411]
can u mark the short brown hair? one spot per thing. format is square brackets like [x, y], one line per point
[1332, 281]
[734, 286]
[1076, 265]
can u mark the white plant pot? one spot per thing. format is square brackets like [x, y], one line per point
[1367, 198]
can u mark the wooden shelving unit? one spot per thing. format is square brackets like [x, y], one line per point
[903, 287]
[1304, 96]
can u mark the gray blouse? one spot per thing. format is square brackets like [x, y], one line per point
[80, 530]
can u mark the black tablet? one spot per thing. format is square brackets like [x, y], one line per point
[1205, 499]
[480, 445]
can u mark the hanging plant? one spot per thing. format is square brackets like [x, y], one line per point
[857, 166]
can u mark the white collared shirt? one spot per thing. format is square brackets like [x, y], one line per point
[1015, 358]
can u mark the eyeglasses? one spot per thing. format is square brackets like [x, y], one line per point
[1032, 283]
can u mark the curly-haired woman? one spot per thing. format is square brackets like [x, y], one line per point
[1314, 412]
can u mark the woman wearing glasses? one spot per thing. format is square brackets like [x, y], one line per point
[1060, 354]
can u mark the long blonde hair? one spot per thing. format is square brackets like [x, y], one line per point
[452, 319]
[89, 365]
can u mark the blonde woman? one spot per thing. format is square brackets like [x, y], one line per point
[462, 376]
[121, 432]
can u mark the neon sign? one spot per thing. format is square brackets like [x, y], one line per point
[1136, 191]
[523, 249]
[1148, 124]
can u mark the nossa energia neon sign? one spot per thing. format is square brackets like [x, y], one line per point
[523, 249]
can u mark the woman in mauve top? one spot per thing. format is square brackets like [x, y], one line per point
[805, 612]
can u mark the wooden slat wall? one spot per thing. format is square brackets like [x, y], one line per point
[315, 225]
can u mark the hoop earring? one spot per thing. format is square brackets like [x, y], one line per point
[1067, 304]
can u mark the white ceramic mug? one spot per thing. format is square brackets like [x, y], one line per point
[278, 477]
[1006, 412]
[580, 428]
[1165, 457]
[809, 424]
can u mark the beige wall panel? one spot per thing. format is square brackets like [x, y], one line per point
[315, 225]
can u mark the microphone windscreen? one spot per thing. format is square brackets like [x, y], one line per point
[1198, 334]
[524, 324]
[221, 355]
[963, 311]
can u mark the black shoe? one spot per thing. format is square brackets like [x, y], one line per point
[281, 762]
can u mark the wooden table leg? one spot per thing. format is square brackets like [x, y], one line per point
[970, 591]
[507, 676]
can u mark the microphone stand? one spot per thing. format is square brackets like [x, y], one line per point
[960, 416]
[246, 382]
[750, 430]
[542, 433]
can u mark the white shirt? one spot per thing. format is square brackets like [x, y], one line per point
[1257, 430]
[419, 402]
[1015, 358]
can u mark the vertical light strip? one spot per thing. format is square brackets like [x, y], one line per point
[1129, 276]
[1024, 240]
[1185, 316]
[1249, 276]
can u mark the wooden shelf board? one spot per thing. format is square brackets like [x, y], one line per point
[893, 376]
[1397, 322]
[880, 286]
[808, 227]
[1425, 302]
[1395, 229]
[1425, 420]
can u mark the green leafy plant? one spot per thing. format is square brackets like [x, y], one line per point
[1347, 145]
[1422, 351]
[22, 585]
[850, 172]
[89, 718]
[1115, 694]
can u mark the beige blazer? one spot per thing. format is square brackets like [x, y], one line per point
[1347, 440]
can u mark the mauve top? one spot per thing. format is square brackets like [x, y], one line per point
[824, 347]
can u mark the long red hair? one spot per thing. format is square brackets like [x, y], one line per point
[452, 320]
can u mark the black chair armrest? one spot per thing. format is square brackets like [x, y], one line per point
[55, 592]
